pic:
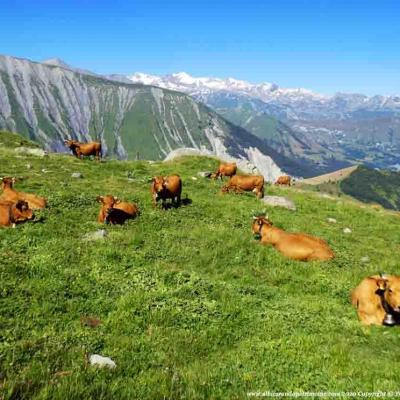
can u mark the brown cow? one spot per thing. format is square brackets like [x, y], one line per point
[84, 149]
[284, 180]
[228, 169]
[12, 213]
[115, 211]
[297, 246]
[10, 194]
[377, 300]
[166, 187]
[247, 183]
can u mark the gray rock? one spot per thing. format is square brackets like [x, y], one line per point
[331, 220]
[347, 230]
[99, 234]
[278, 201]
[204, 174]
[365, 259]
[77, 175]
[31, 151]
[101, 361]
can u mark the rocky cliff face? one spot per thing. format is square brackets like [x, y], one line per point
[50, 103]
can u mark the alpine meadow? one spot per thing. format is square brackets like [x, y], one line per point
[191, 306]
[199, 200]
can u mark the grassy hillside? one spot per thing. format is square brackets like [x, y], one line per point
[12, 140]
[191, 305]
[374, 186]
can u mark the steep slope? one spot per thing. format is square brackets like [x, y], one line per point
[49, 103]
[373, 186]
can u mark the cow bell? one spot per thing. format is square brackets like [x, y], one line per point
[389, 320]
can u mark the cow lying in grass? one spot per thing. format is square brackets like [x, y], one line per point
[12, 213]
[228, 169]
[166, 187]
[284, 180]
[114, 211]
[10, 194]
[245, 183]
[84, 149]
[297, 246]
[377, 300]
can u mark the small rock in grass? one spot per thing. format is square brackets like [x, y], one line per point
[194, 178]
[347, 230]
[28, 166]
[32, 151]
[99, 361]
[331, 220]
[77, 175]
[92, 322]
[278, 201]
[204, 174]
[45, 171]
[99, 234]
[364, 259]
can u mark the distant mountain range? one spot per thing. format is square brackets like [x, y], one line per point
[148, 116]
[49, 102]
[328, 131]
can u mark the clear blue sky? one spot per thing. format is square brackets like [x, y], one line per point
[325, 45]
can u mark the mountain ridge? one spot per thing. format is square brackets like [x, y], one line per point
[49, 104]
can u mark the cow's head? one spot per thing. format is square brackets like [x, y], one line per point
[7, 182]
[70, 143]
[108, 201]
[258, 222]
[21, 212]
[390, 287]
[158, 185]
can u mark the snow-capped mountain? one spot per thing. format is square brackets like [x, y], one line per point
[297, 102]
[50, 102]
[184, 82]
[328, 131]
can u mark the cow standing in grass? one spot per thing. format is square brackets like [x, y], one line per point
[284, 180]
[377, 300]
[166, 187]
[297, 246]
[84, 149]
[228, 169]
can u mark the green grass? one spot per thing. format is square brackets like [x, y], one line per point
[192, 306]
[374, 186]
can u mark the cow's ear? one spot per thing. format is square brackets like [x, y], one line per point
[381, 283]
[117, 200]
[99, 199]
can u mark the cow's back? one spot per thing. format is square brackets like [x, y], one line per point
[173, 184]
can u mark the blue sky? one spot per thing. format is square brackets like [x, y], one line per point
[325, 45]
